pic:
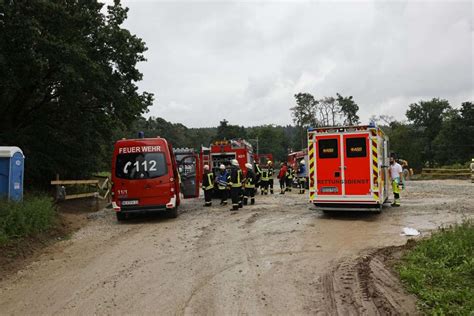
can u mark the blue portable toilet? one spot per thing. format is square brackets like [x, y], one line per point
[12, 163]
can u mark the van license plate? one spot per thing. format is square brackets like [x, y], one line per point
[329, 190]
[130, 202]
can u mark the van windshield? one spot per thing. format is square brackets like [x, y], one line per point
[141, 166]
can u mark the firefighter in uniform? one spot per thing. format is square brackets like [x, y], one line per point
[258, 175]
[249, 185]
[264, 180]
[235, 183]
[282, 177]
[270, 175]
[223, 178]
[302, 176]
[207, 185]
[290, 173]
[396, 177]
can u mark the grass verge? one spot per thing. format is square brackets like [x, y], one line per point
[440, 271]
[35, 214]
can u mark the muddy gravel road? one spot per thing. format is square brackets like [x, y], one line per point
[277, 257]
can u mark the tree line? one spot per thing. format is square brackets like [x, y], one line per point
[68, 74]
[433, 133]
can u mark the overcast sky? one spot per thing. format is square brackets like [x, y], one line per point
[244, 61]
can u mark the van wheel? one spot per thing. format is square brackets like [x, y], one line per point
[173, 213]
[121, 216]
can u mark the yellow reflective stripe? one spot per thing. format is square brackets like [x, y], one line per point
[238, 184]
[210, 181]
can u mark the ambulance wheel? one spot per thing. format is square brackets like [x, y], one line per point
[173, 213]
[379, 209]
[121, 216]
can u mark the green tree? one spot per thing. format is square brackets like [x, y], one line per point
[271, 139]
[348, 109]
[428, 116]
[304, 114]
[226, 131]
[67, 78]
[405, 142]
[455, 141]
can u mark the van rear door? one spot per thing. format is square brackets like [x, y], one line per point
[328, 165]
[189, 173]
[143, 178]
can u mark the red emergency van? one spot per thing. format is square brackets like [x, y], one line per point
[145, 177]
[348, 168]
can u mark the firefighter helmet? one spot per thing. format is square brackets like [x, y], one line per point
[234, 162]
[206, 167]
[303, 162]
[248, 165]
[222, 167]
[270, 162]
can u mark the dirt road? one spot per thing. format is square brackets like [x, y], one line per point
[277, 257]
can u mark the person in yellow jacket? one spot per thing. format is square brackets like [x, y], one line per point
[249, 185]
[396, 177]
[264, 179]
[271, 171]
[207, 185]
[290, 174]
[235, 183]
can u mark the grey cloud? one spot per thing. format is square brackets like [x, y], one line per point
[244, 61]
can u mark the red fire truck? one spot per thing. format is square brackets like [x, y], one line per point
[223, 151]
[296, 156]
[145, 177]
[348, 168]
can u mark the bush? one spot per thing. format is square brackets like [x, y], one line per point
[440, 271]
[33, 215]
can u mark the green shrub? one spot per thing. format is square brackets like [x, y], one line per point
[33, 215]
[440, 271]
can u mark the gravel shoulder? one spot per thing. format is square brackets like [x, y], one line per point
[277, 257]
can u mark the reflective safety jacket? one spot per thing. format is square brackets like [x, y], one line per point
[290, 173]
[270, 172]
[236, 177]
[250, 179]
[258, 171]
[208, 181]
[265, 174]
[223, 179]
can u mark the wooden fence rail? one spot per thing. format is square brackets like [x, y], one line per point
[102, 184]
[446, 173]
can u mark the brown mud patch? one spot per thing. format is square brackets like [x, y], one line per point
[368, 285]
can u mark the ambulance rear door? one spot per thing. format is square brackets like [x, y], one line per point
[328, 166]
[357, 164]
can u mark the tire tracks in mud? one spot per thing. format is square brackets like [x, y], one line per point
[366, 285]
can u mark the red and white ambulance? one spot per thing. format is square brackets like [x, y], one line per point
[348, 168]
[144, 177]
